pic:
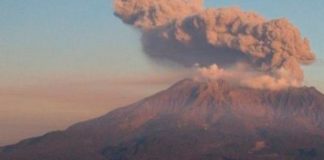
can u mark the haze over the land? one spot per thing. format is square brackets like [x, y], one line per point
[61, 58]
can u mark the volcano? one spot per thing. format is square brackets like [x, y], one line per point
[193, 120]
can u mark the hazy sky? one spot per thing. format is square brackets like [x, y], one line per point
[65, 57]
[54, 38]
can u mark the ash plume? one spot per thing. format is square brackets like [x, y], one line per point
[184, 31]
[149, 14]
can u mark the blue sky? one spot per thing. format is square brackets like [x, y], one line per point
[82, 37]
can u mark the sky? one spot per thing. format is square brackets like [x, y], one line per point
[64, 61]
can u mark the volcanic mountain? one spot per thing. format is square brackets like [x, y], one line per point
[193, 120]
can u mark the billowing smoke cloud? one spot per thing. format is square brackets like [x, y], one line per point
[184, 32]
[150, 14]
[242, 75]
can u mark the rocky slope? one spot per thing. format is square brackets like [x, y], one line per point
[193, 120]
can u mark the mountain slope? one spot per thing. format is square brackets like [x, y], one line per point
[193, 120]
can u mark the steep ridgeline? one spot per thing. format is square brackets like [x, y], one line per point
[193, 120]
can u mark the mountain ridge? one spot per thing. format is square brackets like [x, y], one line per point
[209, 118]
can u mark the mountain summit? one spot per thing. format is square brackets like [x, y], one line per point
[193, 120]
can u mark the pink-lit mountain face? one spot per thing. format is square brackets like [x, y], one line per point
[193, 120]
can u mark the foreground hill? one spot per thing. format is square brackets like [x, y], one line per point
[193, 120]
